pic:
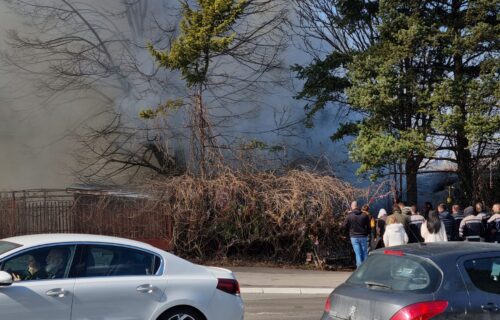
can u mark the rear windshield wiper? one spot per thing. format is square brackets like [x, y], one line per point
[376, 284]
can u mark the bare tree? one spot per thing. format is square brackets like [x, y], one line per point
[83, 48]
[100, 50]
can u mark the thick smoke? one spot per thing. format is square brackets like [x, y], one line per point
[37, 149]
[38, 137]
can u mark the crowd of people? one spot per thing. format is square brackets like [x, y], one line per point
[408, 225]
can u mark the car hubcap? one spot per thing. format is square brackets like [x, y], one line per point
[181, 316]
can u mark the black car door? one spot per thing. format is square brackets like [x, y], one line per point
[481, 274]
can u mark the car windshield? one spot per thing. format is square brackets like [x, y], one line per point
[397, 273]
[6, 246]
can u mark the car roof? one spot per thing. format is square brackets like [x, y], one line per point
[50, 238]
[442, 251]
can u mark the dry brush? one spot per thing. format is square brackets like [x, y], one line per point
[262, 215]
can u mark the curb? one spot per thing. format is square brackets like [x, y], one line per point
[284, 290]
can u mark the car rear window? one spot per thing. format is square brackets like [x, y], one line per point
[6, 246]
[397, 273]
[485, 273]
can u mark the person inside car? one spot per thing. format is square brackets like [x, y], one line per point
[56, 261]
[34, 271]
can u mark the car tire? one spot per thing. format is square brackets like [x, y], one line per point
[183, 313]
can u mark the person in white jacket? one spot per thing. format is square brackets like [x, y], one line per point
[395, 233]
[433, 229]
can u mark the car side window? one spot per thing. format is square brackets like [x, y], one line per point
[484, 273]
[44, 263]
[109, 260]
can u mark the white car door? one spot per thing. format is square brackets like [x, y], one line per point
[47, 295]
[115, 282]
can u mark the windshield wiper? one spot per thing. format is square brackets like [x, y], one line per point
[376, 284]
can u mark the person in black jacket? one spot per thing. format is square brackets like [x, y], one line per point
[448, 221]
[379, 229]
[358, 225]
[427, 208]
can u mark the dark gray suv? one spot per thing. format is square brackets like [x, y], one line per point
[449, 280]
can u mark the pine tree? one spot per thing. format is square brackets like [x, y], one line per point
[205, 32]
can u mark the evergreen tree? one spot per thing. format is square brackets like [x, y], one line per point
[427, 87]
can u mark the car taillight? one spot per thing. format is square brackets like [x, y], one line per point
[230, 286]
[328, 305]
[421, 311]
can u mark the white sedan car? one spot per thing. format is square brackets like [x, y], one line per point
[88, 277]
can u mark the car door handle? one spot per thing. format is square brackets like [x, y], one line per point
[490, 307]
[146, 288]
[58, 293]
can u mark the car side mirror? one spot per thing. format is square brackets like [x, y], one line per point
[5, 279]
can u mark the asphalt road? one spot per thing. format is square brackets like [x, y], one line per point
[275, 307]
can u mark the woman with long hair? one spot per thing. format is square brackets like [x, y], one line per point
[433, 229]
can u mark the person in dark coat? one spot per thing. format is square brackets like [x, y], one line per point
[485, 216]
[448, 221]
[379, 229]
[366, 210]
[427, 208]
[358, 225]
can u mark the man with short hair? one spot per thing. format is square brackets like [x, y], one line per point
[416, 221]
[448, 221]
[358, 225]
[457, 212]
[494, 223]
[405, 210]
[471, 227]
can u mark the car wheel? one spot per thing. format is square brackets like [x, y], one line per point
[182, 314]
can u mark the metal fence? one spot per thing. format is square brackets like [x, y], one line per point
[60, 211]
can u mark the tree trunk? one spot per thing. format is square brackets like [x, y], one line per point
[464, 170]
[462, 151]
[202, 134]
[411, 181]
